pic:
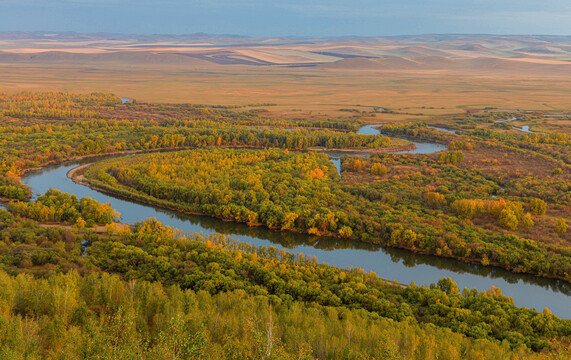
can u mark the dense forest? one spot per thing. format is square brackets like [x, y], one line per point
[40, 128]
[77, 284]
[152, 292]
[427, 204]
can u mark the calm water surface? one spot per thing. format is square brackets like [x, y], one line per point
[420, 147]
[393, 264]
[524, 128]
[442, 129]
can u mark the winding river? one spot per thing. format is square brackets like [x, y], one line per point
[373, 129]
[400, 265]
[523, 128]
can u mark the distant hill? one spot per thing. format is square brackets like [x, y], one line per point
[433, 52]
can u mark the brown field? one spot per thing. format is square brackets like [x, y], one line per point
[417, 77]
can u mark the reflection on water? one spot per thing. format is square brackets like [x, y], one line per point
[524, 128]
[401, 265]
[335, 157]
[369, 129]
[442, 129]
[420, 147]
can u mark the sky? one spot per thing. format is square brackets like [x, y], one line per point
[319, 18]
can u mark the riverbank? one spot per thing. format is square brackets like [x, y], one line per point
[99, 229]
[76, 175]
[366, 150]
[405, 266]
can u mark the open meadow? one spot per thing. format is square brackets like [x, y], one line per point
[414, 76]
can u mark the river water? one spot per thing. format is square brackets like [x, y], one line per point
[443, 129]
[524, 128]
[504, 120]
[419, 147]
[393, 264]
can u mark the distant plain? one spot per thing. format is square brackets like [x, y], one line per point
[418, 76]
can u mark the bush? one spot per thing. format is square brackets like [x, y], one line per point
[378, 169]
[537, 206]
[561, 226]
[508, 219]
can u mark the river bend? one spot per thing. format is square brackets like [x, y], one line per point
[393, 264]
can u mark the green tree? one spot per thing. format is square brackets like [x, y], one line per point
[79, 224]
[537, 206]
[508, 219]
[435, 199]
[561, 226]
[527, 221]
[378, 169]
[448, 286]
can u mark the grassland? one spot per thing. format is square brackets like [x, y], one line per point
[418, 77]
[311, 90]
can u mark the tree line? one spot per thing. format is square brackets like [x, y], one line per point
[407, 202]
[153, 292]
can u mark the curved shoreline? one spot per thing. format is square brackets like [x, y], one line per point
[391, 149]
[404, 265]
[395, 148]
[80, 179]
[377, 127]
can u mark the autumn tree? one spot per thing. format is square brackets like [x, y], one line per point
[508, 219]
[378, 169]
[561, 226]
[527, 221]
[537, 206]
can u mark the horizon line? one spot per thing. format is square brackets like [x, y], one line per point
[64, 32]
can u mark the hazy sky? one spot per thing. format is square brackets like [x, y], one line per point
[289, 17]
